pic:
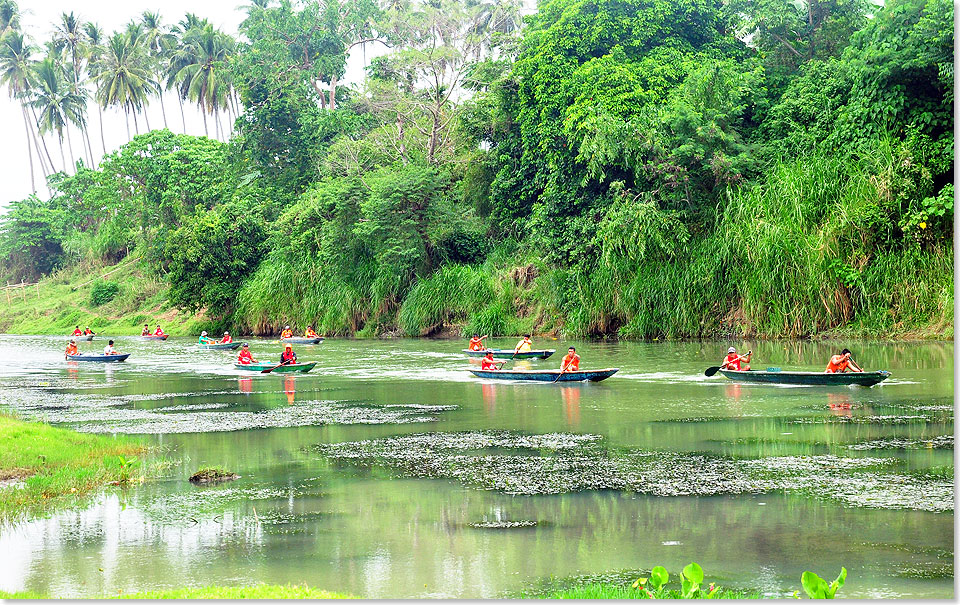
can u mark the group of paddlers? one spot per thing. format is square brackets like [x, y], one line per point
[206, 340]
[146, 331]
[287, 357]
[570, 362]
[839, 363]
[308, 333]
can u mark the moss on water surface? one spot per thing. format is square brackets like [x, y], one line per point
[555, 463]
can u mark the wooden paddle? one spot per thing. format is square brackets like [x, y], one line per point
[562, 370]
[268, 370]
[711, 371]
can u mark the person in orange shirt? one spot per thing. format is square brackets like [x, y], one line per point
[571, 361]
[734, 362]
[487, 363]
[88, 331]
[310, 333]
[245, 357]
[476, 343]
[841, 363]
[72, 348]
[287, 333]
[227, 339]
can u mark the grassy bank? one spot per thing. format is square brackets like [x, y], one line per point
[80, 296]
[44, 467]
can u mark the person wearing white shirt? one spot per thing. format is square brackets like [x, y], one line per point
[109, 350]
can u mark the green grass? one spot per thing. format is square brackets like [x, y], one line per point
[607, 591]
[63, 300]
[57, 466]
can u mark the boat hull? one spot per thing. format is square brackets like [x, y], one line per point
[508, 354]
[864, 379]
[163, 337]
[547, 375]
[229, 346]
[303, 341]
[293, 368]
[86, 337]
[100, 358]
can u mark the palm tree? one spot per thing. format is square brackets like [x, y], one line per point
[203, 76]
[158, 40]
[122, 77]
[16, 70]
[59, 106]
[69, 33]
[93, 50]
[9, 17]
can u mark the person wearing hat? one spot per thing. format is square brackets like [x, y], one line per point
[227, 339]
[88, 332]
[72, 348]
[287, 333]
[734, 362]
[487, 363]
[245, 357]
[288, 356]
[204, 339]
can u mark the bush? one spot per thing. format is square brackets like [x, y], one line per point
[103, 292]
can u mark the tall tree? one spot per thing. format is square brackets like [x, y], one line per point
[205, 77]
[123, 78]
[158, 40]
[16, 68]
[58, 106]
[93, 50]
[68, 32]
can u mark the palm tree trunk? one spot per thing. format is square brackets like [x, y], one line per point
[44, 141]
[126, 116]
[103, 141]
[63, 160]
[182, 117]
[146, 119]
[163, 110]
[136, 127]
[86, 136]
[206, 132]
[216, 122]
[73, 159]
[26, 125]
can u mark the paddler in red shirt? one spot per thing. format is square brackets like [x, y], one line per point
[159, 331]
[227, 339]
[77, 331]
[733, 361]
[476, 343]
[571, 361]
[842, 363]
[245, 357]
[487, 363]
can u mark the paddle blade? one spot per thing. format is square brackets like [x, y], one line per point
[711, 371]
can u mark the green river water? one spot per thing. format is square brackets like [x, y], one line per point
[390, 471]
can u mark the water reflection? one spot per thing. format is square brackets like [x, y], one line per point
[290, 388]
[489, 393]
[245, 385]
[571, 404]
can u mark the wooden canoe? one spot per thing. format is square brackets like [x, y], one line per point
[301, 340]
[864, 379]
[287, 369]
[227, 346]
[508, 353]
[154, 337]
[101, 357]
[547, 375]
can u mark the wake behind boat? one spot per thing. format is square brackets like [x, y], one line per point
[864, 379]
[548, 375]
[509, 354]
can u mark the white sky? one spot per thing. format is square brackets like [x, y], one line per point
[37, 23]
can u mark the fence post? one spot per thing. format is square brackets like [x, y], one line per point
[23, 291]
[38, 290]
[7, 292]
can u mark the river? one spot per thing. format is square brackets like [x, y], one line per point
[390, 471]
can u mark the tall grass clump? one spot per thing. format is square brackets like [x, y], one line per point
[446, 297]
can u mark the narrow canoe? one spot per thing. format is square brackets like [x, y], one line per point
[300, 340]
[87, 337]
[287, 369]
[508, 353]
[153, 337]
[547, 375]
[101, 357]
[864, 379]
[228, 346]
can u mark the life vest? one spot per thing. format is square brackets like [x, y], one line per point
[245, 357]
[571, 362]
[476, 344]
[71, 349]
[286, 334]
[159, 332]
[732, 361]
[288, 357]
[310, 334]
[87, 332]
[488, 364]
[226, 339]
[837, 364]
[523, 346]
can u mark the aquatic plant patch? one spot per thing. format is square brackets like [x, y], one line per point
[555, 463]
[940, 442]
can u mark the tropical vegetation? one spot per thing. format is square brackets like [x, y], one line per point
[639, 168]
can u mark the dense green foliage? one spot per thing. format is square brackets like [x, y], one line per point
[645, 168]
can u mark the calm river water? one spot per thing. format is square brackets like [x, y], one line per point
[495, 493]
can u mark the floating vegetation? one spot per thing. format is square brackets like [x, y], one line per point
[944, 442]
[212, 475]
[503, 524]
[926, 571]
[556, 463]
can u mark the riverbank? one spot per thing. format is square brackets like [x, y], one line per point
[43, 467]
